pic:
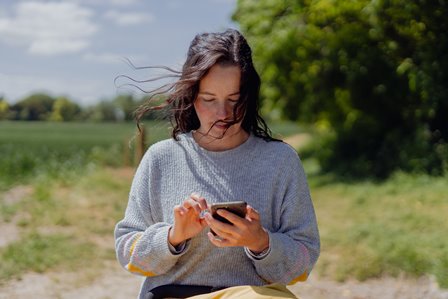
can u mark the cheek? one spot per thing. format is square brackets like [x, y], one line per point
[201, 110]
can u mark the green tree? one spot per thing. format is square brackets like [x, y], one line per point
[126, 106]
[374, 72]
[34, 107]
[64, 110]
[4, 109]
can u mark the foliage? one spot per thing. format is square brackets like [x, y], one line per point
[374, 72]
[64, 110]
[34, 107]
[43, 107]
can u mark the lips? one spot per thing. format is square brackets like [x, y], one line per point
[221, 125]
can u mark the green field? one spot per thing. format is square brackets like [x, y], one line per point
[31, 149]
[78, 190]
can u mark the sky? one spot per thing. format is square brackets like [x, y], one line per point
[76, 48]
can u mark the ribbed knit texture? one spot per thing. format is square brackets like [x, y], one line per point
[267, 175]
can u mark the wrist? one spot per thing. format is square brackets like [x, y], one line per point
[261, 246]
[173, 239]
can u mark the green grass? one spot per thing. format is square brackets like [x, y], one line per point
[31, 149]
[371, 229]
[67, 226]
[40, 253]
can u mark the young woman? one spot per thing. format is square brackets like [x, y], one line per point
[221, 151]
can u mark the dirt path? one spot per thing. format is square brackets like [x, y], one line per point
[116, 283]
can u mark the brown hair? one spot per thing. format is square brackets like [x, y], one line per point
[206, 50]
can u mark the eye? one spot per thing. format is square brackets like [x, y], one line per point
[208, 99]
[233, 100]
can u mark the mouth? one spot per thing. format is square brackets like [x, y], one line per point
[221, 125]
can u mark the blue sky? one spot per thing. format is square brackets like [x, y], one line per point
[75, 48]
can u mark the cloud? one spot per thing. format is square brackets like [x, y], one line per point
[129, 18]
[48, 28]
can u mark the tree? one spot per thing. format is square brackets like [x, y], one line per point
[34, 107]
[126, 104]
[64, 110]
[374, 72]
[4, 109]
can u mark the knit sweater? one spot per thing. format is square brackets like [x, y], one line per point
[267, 175]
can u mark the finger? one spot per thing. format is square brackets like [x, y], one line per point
[192, 204]
[216, 240]
[201, 200]
[233, 218]
[178, 209]
[252, 214]
[217, 226]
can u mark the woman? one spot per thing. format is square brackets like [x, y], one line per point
[221, 151]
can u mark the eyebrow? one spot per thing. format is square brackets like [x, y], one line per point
[212, 94]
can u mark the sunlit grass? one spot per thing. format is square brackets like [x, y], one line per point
[370, 229]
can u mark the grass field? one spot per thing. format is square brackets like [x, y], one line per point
[31, 149]
[368, 229]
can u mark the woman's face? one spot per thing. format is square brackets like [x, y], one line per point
[219, 91]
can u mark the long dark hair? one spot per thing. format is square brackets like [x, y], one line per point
[207, 49]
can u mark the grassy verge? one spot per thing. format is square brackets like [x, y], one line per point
[370, 229]
[66, 227]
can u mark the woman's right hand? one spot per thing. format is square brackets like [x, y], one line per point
[187, 222]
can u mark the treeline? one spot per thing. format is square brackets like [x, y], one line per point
[373, 73]
[43, 107]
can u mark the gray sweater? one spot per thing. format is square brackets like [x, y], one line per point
[267, 175]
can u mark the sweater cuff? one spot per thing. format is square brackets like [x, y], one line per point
[179, 248]
[261, 255]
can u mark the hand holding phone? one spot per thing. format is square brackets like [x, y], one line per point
[236, 207]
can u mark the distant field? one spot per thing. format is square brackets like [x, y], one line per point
[29, 149]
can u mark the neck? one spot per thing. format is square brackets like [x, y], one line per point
[215, 144]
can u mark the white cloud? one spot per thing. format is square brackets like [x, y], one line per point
[129, 18]
[47, 28]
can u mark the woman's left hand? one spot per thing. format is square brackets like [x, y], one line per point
[246, 232]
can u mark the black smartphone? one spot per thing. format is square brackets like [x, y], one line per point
[236, 207]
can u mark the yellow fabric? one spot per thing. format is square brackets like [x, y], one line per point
[302, 277]
[137, 270]
[131, 251]
[271, 291]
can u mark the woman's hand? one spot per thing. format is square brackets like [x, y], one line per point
[246, 232]
[187, 222]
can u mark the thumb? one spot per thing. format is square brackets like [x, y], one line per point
[252, 214]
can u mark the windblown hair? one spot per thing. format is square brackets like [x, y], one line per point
[228, 48]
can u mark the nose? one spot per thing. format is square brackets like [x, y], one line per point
[224, 110]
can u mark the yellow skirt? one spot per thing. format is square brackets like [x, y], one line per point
[250, 292]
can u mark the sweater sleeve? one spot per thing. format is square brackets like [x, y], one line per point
[295, 246]
[141, 244]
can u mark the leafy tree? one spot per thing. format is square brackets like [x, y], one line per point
[374, 72]
[34, 107]
[104, 111]
[4, 109]
[64, 110]
[127, 105]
